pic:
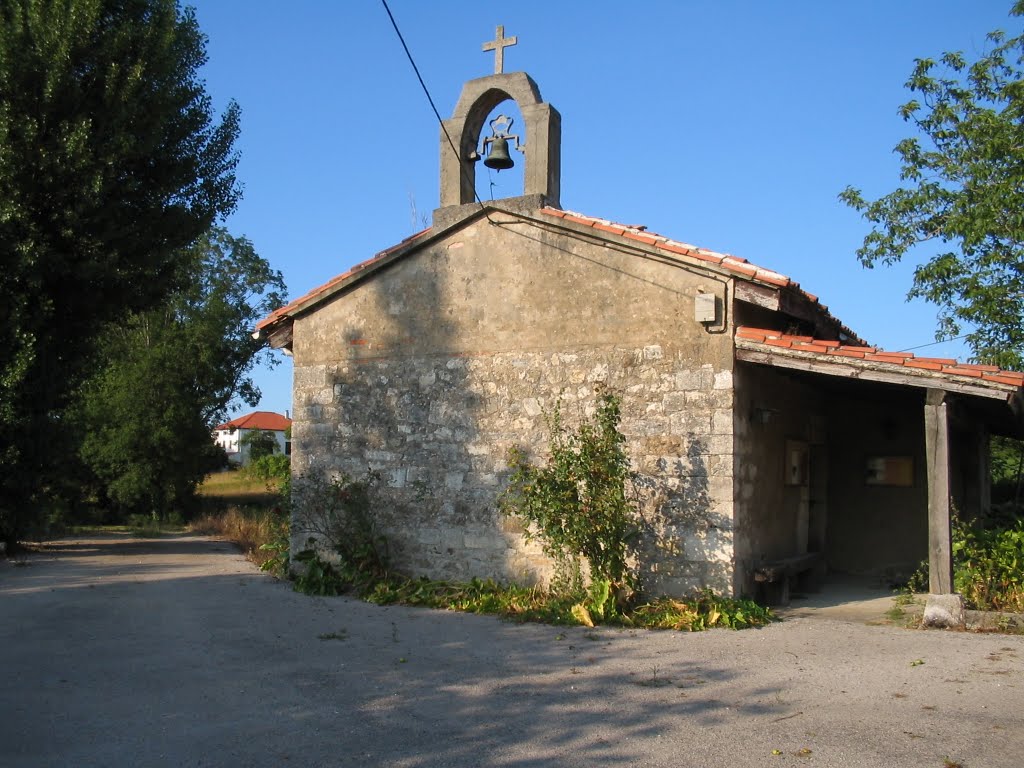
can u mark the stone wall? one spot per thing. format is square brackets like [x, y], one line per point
[429, 374]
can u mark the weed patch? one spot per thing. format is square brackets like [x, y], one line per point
[988, 566]
[703, 610]
[258, 532]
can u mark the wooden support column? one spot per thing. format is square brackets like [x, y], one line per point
[940, 552]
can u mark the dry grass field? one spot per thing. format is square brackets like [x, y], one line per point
[242, 510]
[235, 487]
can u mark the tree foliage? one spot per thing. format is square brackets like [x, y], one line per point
[261, 443]
[170, 374]
[111, 162]
[964, 193]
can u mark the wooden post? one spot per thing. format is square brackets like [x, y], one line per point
[940, 552]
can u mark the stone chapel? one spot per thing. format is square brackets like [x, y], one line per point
[767, 439]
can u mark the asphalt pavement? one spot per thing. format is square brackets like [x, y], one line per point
[117, 651]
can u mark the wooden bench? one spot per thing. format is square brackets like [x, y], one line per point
[777, 575]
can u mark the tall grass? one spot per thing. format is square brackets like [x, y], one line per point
[249, 528]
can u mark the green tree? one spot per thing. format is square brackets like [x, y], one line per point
[170, 375]
[111, 162]
[261, 443]
[965, 194]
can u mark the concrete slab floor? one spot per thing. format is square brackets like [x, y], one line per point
[850, 598]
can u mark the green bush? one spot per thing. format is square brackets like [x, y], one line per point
[261, 443]
[988, 565]
[337, 516]
[576, 504]
[269, 467]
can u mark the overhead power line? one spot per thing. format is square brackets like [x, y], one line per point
[433, 106]
[933, 343]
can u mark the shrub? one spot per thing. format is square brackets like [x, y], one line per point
[576, 504]
[988, 565]
[261, 443]
[336, 516]
[271, 467]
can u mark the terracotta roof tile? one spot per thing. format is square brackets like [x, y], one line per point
[773, 278]
[813, 348]
[741, 269]
[848, 352]
[676, 248]
[891, 357]
[907, 360]
[750, 333]
[638, 233]
[962, 370]
[1005, 377]
[291, 306]
[923, 364]
[268, 420]
[639, 236]
[580, 219]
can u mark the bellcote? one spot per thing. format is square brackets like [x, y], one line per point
[542, 126]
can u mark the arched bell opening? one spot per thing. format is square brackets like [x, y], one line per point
[538, 126]
[502, 149]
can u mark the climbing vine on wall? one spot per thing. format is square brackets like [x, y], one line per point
[575, 503]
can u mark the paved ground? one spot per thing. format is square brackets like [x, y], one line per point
[176, 652]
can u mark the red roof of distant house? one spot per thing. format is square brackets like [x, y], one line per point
[268, 420]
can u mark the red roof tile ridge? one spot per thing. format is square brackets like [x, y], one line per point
[277, 314]
[735, 264]
[950, 366]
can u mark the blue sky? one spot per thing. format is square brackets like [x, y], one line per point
[730, 125]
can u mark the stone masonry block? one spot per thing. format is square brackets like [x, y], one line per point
[690, 423]
[483, 540]
[711, 546]
[721, 421]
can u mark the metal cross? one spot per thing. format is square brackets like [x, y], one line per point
[498, 46]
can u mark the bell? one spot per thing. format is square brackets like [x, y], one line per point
[498, 158]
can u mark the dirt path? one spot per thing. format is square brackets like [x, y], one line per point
[177, 652]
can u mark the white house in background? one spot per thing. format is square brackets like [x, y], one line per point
[229, 434]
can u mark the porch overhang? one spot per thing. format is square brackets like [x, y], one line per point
[831, 358]
[993, 400]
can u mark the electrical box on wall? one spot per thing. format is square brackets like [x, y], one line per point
[705, 308]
